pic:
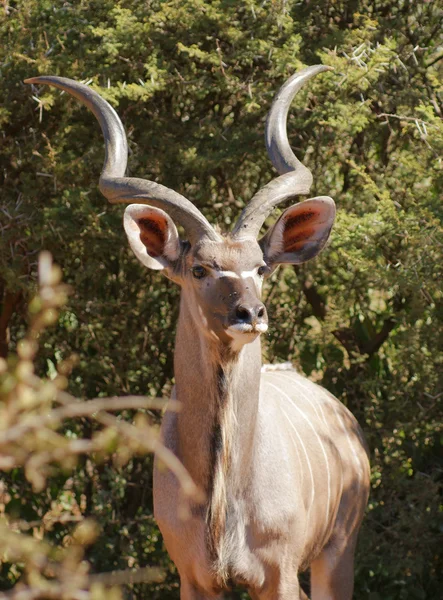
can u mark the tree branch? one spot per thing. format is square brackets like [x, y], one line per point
[10, 301]
[379, 339]
[346, 335]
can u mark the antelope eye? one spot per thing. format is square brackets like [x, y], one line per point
[198, 272]
[261, 270]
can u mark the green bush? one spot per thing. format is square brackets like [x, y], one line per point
[193, 81]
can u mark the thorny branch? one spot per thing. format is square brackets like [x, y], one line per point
[32, 411]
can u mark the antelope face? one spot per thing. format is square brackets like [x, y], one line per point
[222, 277]
[222, 284]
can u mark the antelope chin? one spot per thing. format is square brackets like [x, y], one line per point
[245, 328]
[244, 333]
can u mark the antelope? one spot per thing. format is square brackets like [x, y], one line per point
[283, 463]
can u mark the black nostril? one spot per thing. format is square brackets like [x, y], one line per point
[249, 314]
[243, 314]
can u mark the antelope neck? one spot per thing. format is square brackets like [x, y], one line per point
[219, 392]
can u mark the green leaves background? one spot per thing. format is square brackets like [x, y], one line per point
[192, 82]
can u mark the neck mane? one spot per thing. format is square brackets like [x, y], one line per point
[219, 392]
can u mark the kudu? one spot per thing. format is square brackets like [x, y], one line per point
[283, 463]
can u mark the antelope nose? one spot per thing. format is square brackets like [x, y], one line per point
[251, 314]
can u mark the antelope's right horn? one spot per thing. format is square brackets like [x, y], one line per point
[294, 178]
[114, 185]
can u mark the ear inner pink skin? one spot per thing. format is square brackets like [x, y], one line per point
[300, 233]
[300, 228]
[293, 239]
[300, 218]
[153, 235]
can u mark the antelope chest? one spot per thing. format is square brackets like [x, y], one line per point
[248, 549]
[258, 516]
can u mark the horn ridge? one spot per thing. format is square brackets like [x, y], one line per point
[113, 185]
[276, 131]
[116, 146]
[295, 178]
[125, 190]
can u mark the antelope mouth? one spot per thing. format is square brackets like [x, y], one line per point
[248, 328]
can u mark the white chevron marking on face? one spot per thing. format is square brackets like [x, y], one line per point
[244, 275]
[241, 275]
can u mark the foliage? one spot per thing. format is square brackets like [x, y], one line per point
[31, 412]
[193, 81]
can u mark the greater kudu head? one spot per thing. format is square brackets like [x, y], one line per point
[220, 275]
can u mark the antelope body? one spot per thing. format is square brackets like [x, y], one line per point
[282, 462]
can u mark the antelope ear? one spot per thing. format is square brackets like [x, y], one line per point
[152, 236]
[300, 233]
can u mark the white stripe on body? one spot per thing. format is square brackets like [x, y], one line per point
[302, 470]
[319, 441]
[300, 464]
[313, 404]
[308, 462]
[354, 453]
[332, 403]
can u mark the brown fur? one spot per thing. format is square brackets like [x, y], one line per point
[240, 456]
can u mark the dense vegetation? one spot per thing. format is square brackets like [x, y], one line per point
[192, 82]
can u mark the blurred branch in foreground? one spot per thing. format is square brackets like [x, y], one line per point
[33, 412]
